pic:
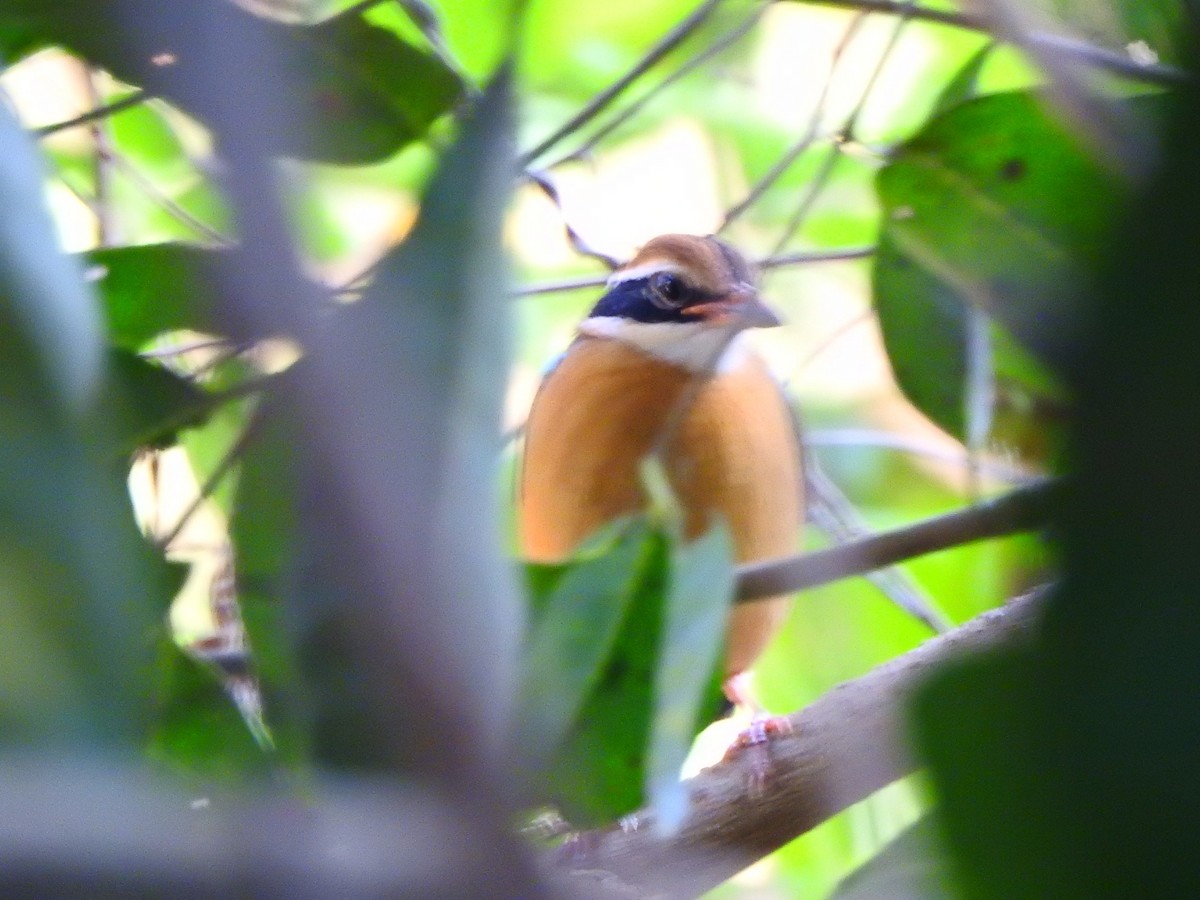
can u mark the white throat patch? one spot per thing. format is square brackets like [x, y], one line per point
[690, 345]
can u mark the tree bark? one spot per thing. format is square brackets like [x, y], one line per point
[840, 750]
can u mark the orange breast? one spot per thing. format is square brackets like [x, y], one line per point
[601, 411]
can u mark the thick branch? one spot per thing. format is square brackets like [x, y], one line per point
[1025, 509]
[841, 749]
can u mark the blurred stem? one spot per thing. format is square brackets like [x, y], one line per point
[839, 751]
[102, 140]
[1025, 509]
[1081, 51]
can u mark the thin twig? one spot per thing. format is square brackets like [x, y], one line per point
[717, 47]
[802, 257]
[103, 143]
[170, 206]
[213, 481]
[1100, 57]
[100, 112]
[545, 182]
[798, 149]
[838, 751]
[821, 180]
[832, 512]
[979, 393]
[811, 194]
[600, 102]
[1025, 509]
[776, 261]
[865, 437]
[567, 284]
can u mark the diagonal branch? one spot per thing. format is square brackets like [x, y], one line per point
[600, 102]
[840, 750]
[93, 115]
[775, 261]
[719, 46]
[1025, 509]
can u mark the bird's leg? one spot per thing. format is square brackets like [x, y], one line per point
[754, 739]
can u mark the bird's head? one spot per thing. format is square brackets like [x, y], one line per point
[680, 297]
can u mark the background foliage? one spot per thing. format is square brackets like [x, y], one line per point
[935, 362]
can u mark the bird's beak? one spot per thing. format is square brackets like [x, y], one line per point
[743, 304]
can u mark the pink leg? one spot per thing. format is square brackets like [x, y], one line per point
[754, 740]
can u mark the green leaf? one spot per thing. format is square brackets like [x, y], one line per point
[997, 203]
[155, 288]
[197, 729]
[353, 93]
[147, 405]
[993, 205]
[572, 638]
[912, 866]
[698, 602]
[641, 696]
[597, 773]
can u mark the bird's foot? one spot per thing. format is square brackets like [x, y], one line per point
[754, 740]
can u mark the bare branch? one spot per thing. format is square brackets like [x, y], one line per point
[223, 467]
[1024, 509]
[103, 143]
[801, 257]
[1099, 57]
[545, 182]
[776, 261]
[597, 104]
[168, 205]
[798, 149]
[100, 112]
[716, 48]
[841, 749]
[833, 513]
[866, 437]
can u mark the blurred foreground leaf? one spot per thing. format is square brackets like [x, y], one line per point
[1067, 768]
[82, 593]
[624, 721]
[698, 603]
[355, 93]
[993, 205]
[357, 525]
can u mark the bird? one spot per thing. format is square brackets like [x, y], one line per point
[661, 364]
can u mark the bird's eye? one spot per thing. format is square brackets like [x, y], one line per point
[667, 290]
